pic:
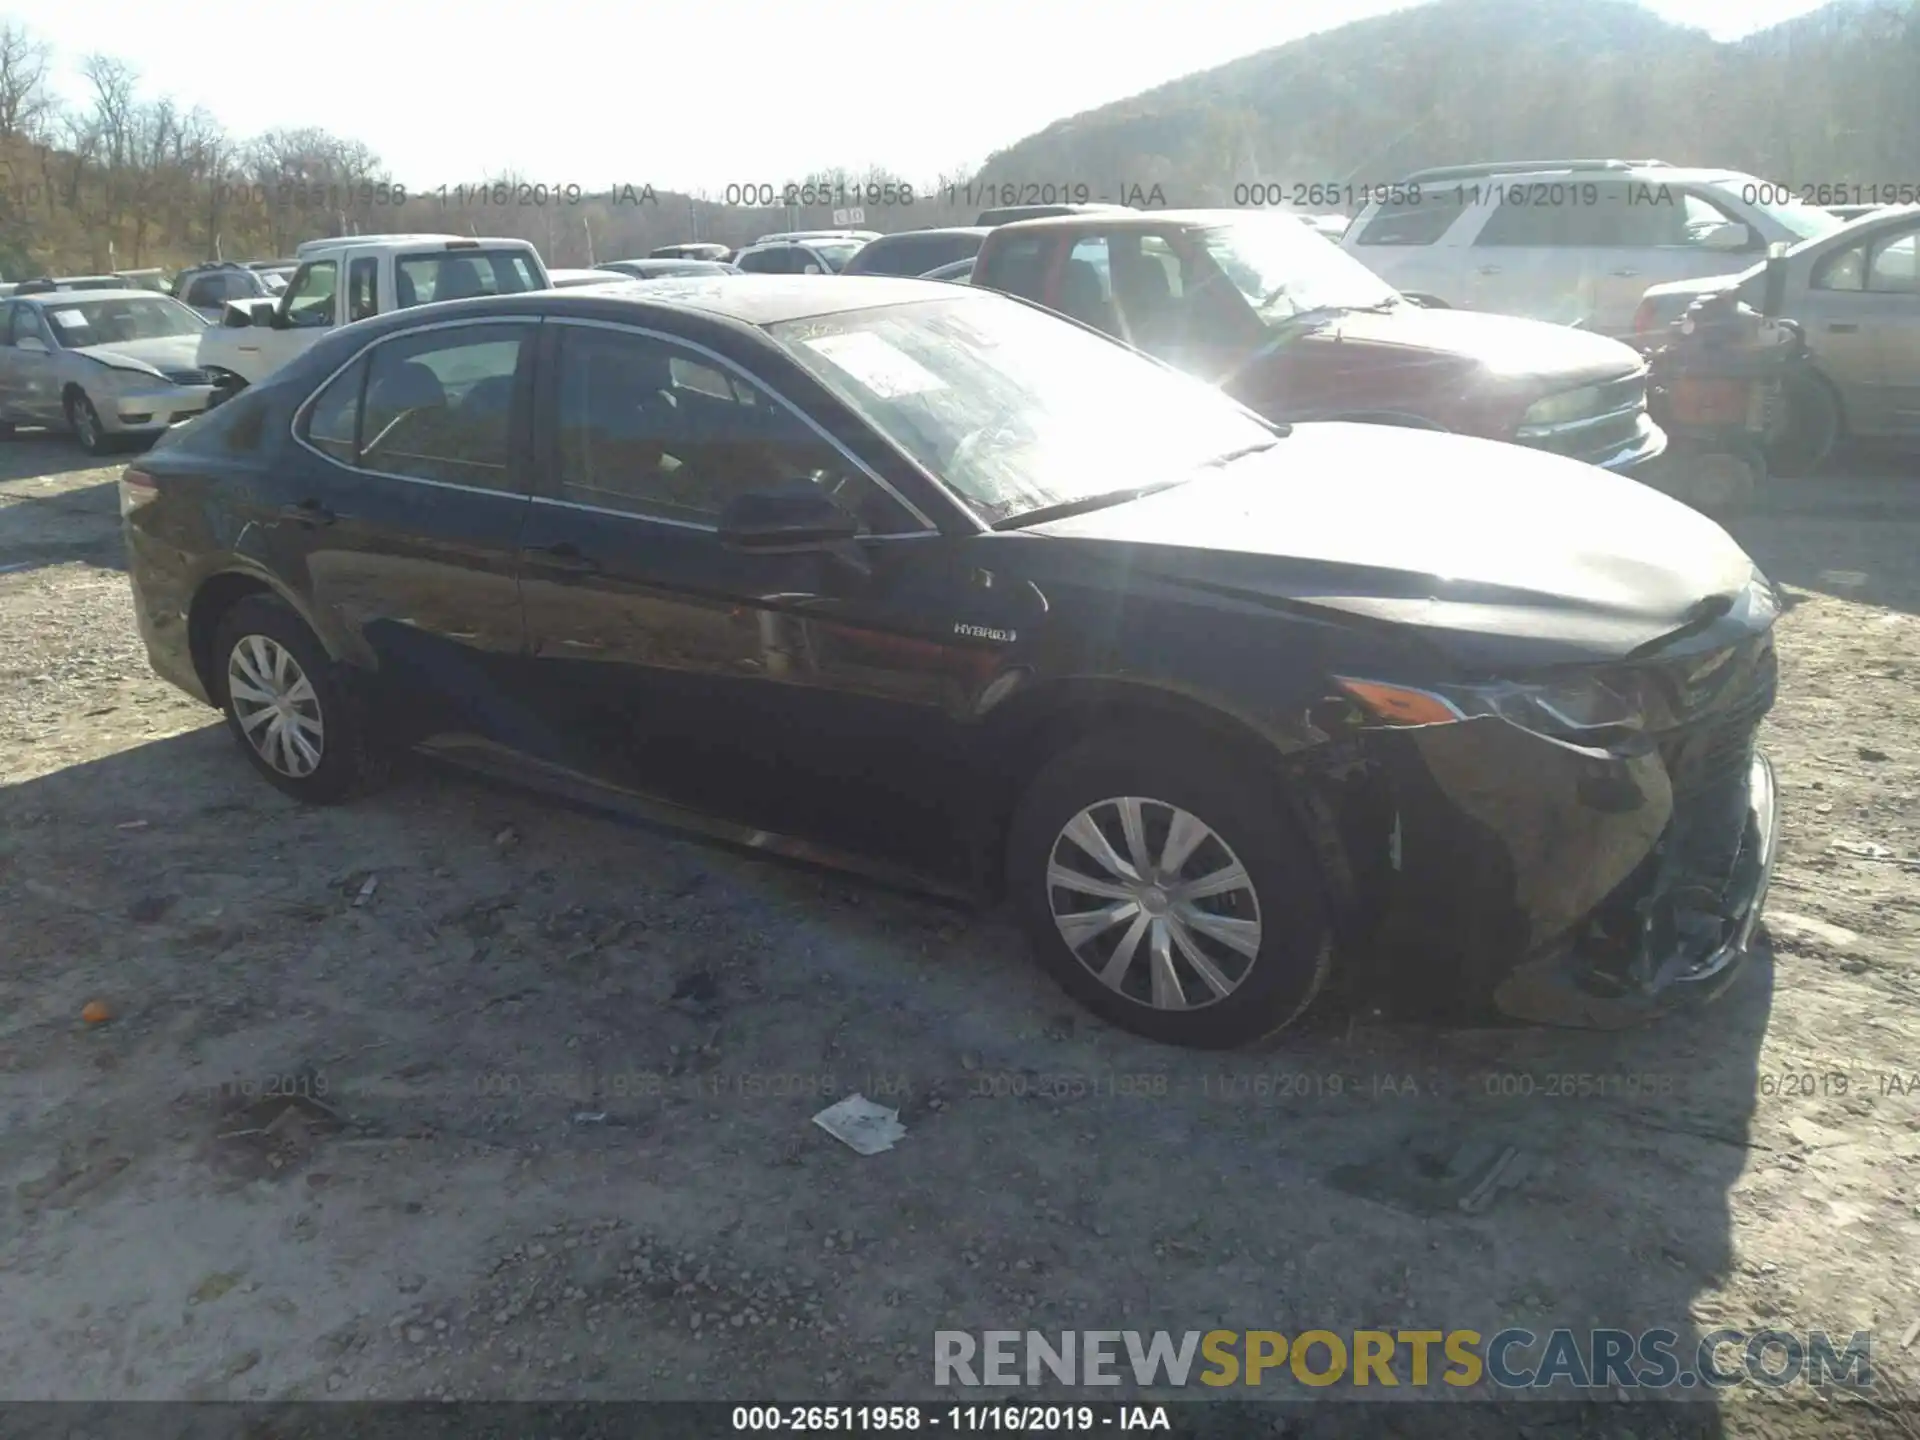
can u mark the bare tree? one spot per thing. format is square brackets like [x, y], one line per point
[25, 105]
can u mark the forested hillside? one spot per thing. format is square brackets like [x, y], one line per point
[1831, 97]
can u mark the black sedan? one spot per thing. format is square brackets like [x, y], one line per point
[925, 580]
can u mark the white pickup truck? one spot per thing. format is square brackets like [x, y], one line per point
[354, 278]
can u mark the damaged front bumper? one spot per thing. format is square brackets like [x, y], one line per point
[1672, 959]
[1574, 887]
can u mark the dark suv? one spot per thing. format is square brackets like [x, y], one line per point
[1294, 327]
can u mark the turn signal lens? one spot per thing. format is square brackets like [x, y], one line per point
[1398, 704]
[137, 488]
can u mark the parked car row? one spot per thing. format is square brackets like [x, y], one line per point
[1621, 247]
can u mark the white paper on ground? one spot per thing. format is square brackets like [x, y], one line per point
[861, 1125]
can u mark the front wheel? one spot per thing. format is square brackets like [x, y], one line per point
[85, 423]
[1805, 428]
[226, 385]
[291, 707]
[1166, 893]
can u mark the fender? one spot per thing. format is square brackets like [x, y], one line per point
[240, 567]
[1027, 723]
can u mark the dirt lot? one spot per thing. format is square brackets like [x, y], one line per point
[555, 1074]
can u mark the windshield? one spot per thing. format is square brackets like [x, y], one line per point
[114, 322]
[1285, 269]
[1014, 409]
[1809, 222]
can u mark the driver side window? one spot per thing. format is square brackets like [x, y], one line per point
[309, 298]
[648, 429]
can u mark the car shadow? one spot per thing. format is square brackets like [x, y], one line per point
[60, 527]
[31, 453]
[1351, 1174]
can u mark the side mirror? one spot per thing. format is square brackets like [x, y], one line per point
[241, 313]
[792, 516]
[32, 344]
[1727, 237]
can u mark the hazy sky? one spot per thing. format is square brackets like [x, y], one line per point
[689, 96]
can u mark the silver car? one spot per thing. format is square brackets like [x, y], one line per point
[1856, 294]
[105, 364]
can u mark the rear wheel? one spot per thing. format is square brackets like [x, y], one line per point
[294, 711]
[1167, 894]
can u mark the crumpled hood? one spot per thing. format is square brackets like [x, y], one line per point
[1494, 552]
[1503, 344]
[167, 352]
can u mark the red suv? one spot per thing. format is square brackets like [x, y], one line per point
[1296, 329]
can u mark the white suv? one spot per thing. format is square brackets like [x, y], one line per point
[1571, 241]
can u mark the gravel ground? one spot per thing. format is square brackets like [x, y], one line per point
[462, 1092]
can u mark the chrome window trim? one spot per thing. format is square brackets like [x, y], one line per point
[301, 414]
[632, 328]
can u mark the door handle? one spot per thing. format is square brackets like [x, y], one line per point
[309, 513]
[1489, 269]
[1843, 327]
[1624, 274]
[563, 555]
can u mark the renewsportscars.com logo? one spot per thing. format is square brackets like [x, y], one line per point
[1512, 1359]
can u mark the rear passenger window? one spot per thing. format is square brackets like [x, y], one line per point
[1518, 223]
[361, 299]
[436, 405]
[333, 425]
[1018, 266]
[1419, 221]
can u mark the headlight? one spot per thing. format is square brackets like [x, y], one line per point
[1588, 709]
[1564, 408]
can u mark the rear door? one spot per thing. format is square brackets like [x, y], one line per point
[1540, 247]
[403, 512]
[1416, 240]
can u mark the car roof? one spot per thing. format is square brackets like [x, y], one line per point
[935, 230]
[70, 297]
[1132, 220]
[757, 300]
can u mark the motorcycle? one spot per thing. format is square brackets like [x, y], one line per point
[1718, 385]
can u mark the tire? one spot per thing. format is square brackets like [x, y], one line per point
[226, 385]
[1811, 428]
[342, 756]
[84, 421]
[1171, 771]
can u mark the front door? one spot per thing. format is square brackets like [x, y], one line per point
[400, 514]
[806, 694]
[32, 386]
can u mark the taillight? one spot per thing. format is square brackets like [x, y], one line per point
[137, 488]
[1645, 318]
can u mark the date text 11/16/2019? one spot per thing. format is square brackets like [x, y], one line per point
[510, 194]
